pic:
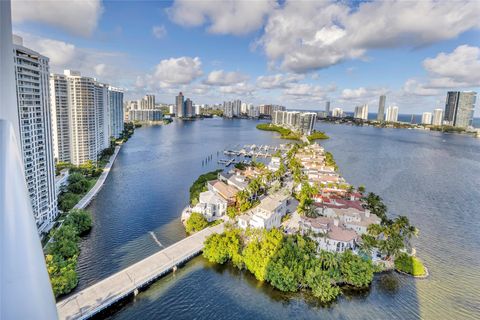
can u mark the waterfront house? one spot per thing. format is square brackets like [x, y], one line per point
[268, 214]
[224, 190]
[244, 221]
[238, 181]
[210, 205]
[329, 234]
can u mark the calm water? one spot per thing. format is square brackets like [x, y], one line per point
[432, 178]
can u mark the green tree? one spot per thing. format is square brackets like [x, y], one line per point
[64, 242]
[321, 284]
[260, 250]
[355, 271]
[196, 222]
[62, 273]
[80, 219]
[66, 201]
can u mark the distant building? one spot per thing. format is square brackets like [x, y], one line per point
[80, 117]
[327, 107]
[459, 108]
[253, 111]
[392, 114]
[361, 112]
[337, 113]
[146, 103]
[299, 121]
[427, 118]
[115, 97]
[381, 108]
[146, 115]
[189, 111]
[180, 106]
[437, 117]
[31, 76]
[269, 109]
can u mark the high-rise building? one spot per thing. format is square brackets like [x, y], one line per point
[268, 109]
[361, 112]
[459, 108]
[253, 111]
[381, 108]
[299, 121]
[180, 105]
[85, 112]
[392, 114]
[327, 108]
[116, 111]
[150, 102]
[31, 75]
[437, 117]
[337, 113]
[427, 118]
[189, 108]
[307, 122]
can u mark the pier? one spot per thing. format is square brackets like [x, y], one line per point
[128, 281]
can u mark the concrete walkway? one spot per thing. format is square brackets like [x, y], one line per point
[85, 201]
[99, 296]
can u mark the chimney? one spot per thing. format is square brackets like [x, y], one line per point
[335, 222]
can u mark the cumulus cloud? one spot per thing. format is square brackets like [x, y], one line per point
[159, 31]
[278, 80]
[222, 78]
[413, 87]
[172, 73]
[457, 69]
[108, 66]
[242, 88]
[460, 68]
[360, 94]
[79, 17]
[222, 17]
[303, 36]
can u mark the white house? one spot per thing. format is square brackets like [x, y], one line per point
[210, 205]
[270, 211]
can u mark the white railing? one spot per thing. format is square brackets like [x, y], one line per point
[25, 291]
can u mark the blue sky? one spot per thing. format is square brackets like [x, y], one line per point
[296, 53]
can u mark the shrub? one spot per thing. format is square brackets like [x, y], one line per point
[196, 222]
[410, 264]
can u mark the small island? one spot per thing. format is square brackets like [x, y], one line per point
[289, 134]
[296, 224]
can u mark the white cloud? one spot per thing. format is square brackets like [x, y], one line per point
[111, 67]
[223, 17]
[458, 69]
[79, 17]
[413, 87]
[222, 78]
[172, 73]
[242, 88]
[278, 80]
[303, 36]
[361, 94]
[159, 31]
[307, 93]
[461, 68]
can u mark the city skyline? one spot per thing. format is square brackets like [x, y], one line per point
[252, 60]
